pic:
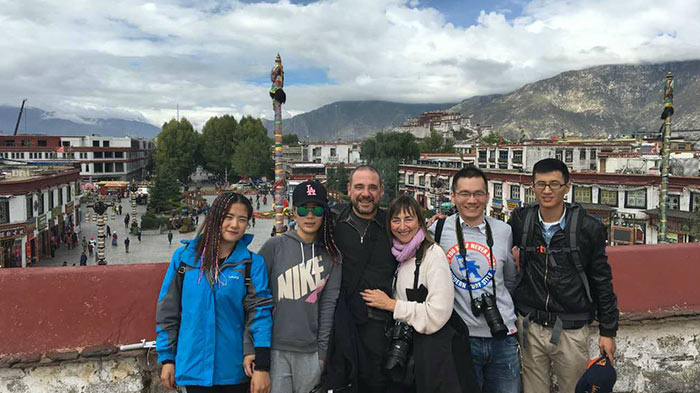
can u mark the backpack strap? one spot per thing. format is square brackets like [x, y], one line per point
[248, 264]
[526, 236]
[438, 229]
[574, 250]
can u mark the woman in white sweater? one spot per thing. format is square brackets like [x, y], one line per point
[438, 357]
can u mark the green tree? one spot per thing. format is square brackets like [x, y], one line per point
[165, 191]
[492, 138]
[385, 151]
[435, 143]
[177, 148]
[338, 178]
[217, 143]
[291, 139]
[252, 149]
[695, 226]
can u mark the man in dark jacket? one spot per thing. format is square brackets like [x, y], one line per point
[565, 282]
[361, 236]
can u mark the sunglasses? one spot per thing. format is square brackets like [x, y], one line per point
[302, 211]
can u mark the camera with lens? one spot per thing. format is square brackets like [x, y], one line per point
[486, 304]
[400, 335]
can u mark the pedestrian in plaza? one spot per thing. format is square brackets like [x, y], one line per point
[109, 231]
[422, 304]
[257, 206]
[565, 283]
[265, 200]
[114, 239]
[170, 237]
[483, 272]
[91, 245]
[201, 346]
[85, 244]
[65, 263]
[359, 340]
[253, 221]
[83, 259]
[74, 239]
[127, 241]
[126, 220]
[303, 318]
[273, 233]
[138, 234]
[53, 245]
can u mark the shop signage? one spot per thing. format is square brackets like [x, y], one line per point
[30, 225]
[12, 231]
[69, 207]
[56, 211]
[41, 222]
[497, 203]
[513, 204]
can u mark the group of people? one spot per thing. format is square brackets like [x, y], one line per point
[362, 299]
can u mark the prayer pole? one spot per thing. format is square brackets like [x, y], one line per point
[666, 154]
[278, 98]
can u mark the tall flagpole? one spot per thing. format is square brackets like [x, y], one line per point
[278, 98]
[665, 155]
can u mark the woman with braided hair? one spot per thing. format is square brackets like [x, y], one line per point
[215, 289]
[305, 282]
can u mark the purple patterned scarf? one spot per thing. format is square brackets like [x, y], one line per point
[405, 251]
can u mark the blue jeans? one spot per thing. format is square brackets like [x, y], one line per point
[496, 364]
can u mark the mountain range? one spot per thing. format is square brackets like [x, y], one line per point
[593, 102]
[38, 121]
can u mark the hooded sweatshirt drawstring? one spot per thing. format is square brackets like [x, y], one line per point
[313, 253]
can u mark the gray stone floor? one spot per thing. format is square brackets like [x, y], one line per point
[152, 248]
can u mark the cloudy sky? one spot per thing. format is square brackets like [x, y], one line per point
[135, 59]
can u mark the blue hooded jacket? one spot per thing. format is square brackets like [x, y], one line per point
[200, 325]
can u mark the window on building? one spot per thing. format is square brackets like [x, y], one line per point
[118, 154]
[109, 167]
[674, 202]
[583, 194]
[95, 143]
[119, 167]
[694, 201]
[30, 206]
[529, 196]
[607, 197]
[518, 156]
[42, 208]
[97, 154]
[4, 211]
[98, 167]
[85, 167]
[492, 155]
[105, 143]
[69, 194]
[109, 154]
[51, 200]
[421, 180]
[333, 152]
[25, 142]
[559, 155]
[9, 142]
[317, 152]
[482, 155]
[503, 155]
[41, 142]
[582, 154]
[60, 196]
[515, 191]
[65, 144]
[411, 178]
[593, 154]
[636, 199]
[497, 191]
[569, 155]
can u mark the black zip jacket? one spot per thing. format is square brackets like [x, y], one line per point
[559, 289]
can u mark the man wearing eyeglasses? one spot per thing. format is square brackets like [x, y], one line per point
[563, 284]
[483, 272]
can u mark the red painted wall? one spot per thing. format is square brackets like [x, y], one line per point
[56, 308]
[66, 308]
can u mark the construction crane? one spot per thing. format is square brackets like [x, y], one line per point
[19, 118]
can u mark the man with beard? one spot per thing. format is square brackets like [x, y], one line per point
[355, 360]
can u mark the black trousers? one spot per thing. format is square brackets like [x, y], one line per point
[240, 388]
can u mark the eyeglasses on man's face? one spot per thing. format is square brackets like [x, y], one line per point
[553, 185]
[476, 194]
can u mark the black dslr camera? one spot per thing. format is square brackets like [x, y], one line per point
[400, 335]
[486, 304]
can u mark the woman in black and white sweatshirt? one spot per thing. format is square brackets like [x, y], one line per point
[439, 343]
[305, 282]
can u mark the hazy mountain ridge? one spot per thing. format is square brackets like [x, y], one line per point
[38, 121]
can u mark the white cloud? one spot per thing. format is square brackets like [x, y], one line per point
[126, 58]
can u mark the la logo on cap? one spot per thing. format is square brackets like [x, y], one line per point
[310, 190]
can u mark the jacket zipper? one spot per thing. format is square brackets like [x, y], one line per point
[362, 236]
[546, 271]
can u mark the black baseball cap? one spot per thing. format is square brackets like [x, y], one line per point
[308, 192]
[600, 377]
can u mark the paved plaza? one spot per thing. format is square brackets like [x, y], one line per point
[152, 248]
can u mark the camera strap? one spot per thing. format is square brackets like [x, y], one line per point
[463, 254]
